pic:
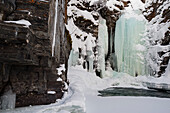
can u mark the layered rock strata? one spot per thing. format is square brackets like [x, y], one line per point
[27, 67]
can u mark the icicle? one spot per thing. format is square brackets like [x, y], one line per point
[55, 25]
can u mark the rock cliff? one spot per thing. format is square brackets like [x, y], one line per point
[27, 67]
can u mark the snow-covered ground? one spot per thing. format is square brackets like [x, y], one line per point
[82, 97]
[121, 104]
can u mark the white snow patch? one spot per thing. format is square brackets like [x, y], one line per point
[51, 92]
[137, 4]
[59, 79]
[127, 104]
[111, 4]
[61, 68]
[23, 22]
[44, 0]
[66, 86]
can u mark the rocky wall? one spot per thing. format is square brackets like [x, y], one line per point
[158, 15]
[27, 67]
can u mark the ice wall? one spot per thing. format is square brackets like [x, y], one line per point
[129, 46]
[102, 45]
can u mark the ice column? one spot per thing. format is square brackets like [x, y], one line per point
[129, 47]
[102, 45]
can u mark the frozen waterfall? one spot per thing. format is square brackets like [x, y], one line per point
[129, 43]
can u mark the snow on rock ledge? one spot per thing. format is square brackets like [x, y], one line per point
[26, 23]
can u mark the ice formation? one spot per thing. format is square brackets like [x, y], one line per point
[102, 45]
[129, 47]
[82, 42]
[55, 25]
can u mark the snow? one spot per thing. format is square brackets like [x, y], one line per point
[111, 4]
[137, 4]
[78, 43]
[63, 111]
[60, 69]
[127, 105]
[66, 86]
[51, 92]
[59, 79]
[75, 12]
[153, 59]
[80, 39]
[23, 22]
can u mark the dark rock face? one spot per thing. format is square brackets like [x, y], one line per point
[158, 15]
[27, 66]
[6, 7]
